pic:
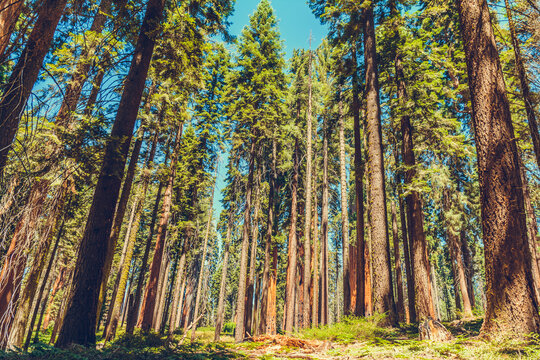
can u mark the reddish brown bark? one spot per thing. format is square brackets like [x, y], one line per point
[15, 259]
[324, 234]
[80, 321]
[511, 307]
[307, 222]
[292, 249]
[151, 293]
[9, 14]
[132, 317]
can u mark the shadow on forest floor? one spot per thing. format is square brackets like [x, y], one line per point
[352, 338]
[135, 347]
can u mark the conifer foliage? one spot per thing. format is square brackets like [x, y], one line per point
[159, 175]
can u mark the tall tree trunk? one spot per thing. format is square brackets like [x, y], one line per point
[268, 324]
[239, 333]
[532, 231]
[117, 223]
[80, 321]
[357, 259]
[222, 288]
[10, 10]
[24, 306]
[132, 317]
[524, 85]
[307, 217]
[383, 298]
[397, 265]
[324, 230]
[349, 272]
[316, 251]
[43, 285]
[149, 301]
[57, 285]
[415, 219]
[292, 249]
[410, 311]
[469, 267]
[179, 278]
[454, 243]
[19, 85]
[253, 257]
[15, 260]
[203, 258]
[510, 304]
[74, 87]
[131, 236]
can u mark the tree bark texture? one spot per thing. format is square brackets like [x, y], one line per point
[510, 304]
[383, 299]
[9, 14]
[80, 321]
[292, 249]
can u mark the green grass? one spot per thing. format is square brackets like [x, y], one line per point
[352, 337]
[350, 329]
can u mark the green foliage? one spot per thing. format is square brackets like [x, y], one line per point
[349, 329]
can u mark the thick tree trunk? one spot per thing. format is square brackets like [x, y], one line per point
[131, 235]
[239, 333]
[9, 14]
[151, 293]
[511, 307]
[117, 224]
[80, 321]
[19, 85]
[383, 298]
[289, 312]
[397, 265]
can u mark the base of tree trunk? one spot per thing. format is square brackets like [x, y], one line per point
[433, 330]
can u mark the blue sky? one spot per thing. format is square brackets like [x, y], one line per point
[295, 21]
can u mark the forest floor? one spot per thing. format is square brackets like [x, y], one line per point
[349, 339]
